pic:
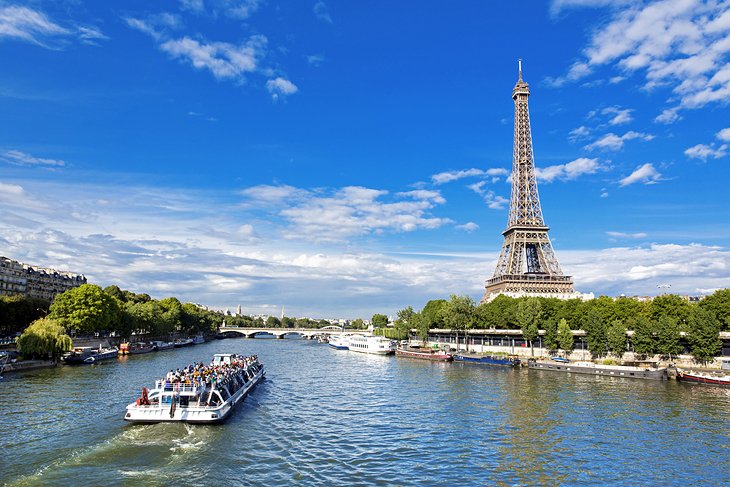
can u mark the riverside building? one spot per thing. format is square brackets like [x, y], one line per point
[31, 281]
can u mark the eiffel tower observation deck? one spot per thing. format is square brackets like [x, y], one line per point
[527, 264]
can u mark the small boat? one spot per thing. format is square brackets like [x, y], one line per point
[183, 342]
[141, 347]
[198, 339]
[560, 359]
[88, 355]
[630, 372]
[435, 354]
[199, 394]
[377, 345]
[502, 360]
[340, 342]
[703, 378]
[160, 345]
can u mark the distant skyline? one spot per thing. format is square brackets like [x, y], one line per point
[344, 159]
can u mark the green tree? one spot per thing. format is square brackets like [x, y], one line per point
[403, 322]
[17, 312]
[273, 322]
[288, 322]
[358, 323]
[44, 337]
[667, 336]
[529, 313]
[422, 324]
[719, 304]
[669, 305]
[86, 309]
[644, 338]
[114, 291]
[379, 321]
[433, 313]
[551, 334]
[616, 338]
[566, 341]
[595, 329]
[459, 314]
[704, 330]
[629, 307]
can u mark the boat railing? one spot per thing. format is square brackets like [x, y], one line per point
[178, 386]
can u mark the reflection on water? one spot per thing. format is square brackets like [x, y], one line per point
[334, 417]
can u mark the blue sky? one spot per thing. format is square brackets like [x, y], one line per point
[344, 158]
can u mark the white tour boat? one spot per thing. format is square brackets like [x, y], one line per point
[372, 344]
[340, 342]
[199, 393]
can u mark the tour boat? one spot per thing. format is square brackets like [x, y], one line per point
[88, 355]
[371, 344]
[504, 360]
[656, 373]
[424, 354]
[183, 342]
[703, 378]
[340, 342]
[200, 394]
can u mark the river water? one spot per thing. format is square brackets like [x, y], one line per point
[329, 417]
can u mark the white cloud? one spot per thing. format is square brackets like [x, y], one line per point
[682, 44]
[568, 171]
[614, 142]
[724, 134]
[448, 176]
[19, 158]
[322, 12]
[468, 227]
[668, 116]
[424, 194]
[702, 151]
[618, 115]
[315, 59]
[280, 86]
[645, 174]
[626, 235]
[241, 9]
[34, 26]
[492, 199]
[266, 195]
[223, 60]
[11, 189]
[579, 133]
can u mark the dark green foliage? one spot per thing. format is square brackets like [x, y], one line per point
[433, 313]
[704, 327]
[644, 338]
[86, 309]
[719, 304]
[529, 314]
[595, 329]
[551, 334]
[498, 314]
[17, 312]
[669, 305]
[667, 336]
[566, 341]
[273, 322]
[379, 320]
[616, 338]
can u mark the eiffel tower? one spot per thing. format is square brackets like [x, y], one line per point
[527, 264]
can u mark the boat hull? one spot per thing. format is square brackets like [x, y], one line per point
[91, 359]
[703, 379]
[488, 360]
[601, 370]
[434, 357]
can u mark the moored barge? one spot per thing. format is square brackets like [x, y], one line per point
[198, 393]
[630, 372]
[434, 355]
[503, 361]
[703, 378]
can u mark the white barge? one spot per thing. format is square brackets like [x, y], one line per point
[653, 373]
[377, 345]
[198, 393]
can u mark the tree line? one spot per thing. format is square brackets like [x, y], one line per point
[655, 326]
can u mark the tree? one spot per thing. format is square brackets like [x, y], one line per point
[273, 322]
[85, 309]
[529, 313]
[595, 329]
[44, 337]
[719, 304]
[566, 341]
[616, 338]
[288, 322]
[459, 314]
[551, 334]
[644, 337]
[114, 291]
[403, 322]
[667, 336]
[433, 313]
[704, 330]
[669, 305]
[379, 321]
[17, 312]
[357, 323]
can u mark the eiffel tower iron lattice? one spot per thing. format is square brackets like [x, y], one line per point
[527, 264]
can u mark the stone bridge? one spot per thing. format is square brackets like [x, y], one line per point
[280, 333]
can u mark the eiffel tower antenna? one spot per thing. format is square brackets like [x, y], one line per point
[527, 264]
